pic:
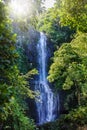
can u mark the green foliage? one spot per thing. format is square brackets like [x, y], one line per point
[16, 117]
[74, 120]
[22, 61]
[74, 14]
[69, 69]
[78, 116]
[49, 22]
[14, 86]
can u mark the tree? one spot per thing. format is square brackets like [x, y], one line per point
[69, 68]
[14, 87]
[74, 14]
[49, 22]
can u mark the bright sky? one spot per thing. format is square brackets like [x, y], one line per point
[18, 6]
[49, 3]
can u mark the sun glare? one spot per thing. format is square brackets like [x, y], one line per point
[49, 3]
[23, 8]
[19, 7]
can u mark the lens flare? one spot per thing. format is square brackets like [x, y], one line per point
[19, 7]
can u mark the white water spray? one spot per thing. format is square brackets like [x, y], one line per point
[48, 105]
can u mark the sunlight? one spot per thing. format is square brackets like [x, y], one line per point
[19, 7]
[49, 3]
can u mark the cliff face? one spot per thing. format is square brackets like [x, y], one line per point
[31, 50]
[27, 41]
[25, 35]
[32, 54]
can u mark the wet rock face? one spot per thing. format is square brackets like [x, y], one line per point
[25, 33]
[31, 51]
[29, 44]
[28, 41]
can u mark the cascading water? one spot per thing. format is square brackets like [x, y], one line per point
[47, 107]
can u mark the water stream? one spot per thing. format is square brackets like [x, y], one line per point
[48, 106]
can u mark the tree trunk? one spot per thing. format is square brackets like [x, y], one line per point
[78, 94]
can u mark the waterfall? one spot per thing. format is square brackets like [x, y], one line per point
[47, 106]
